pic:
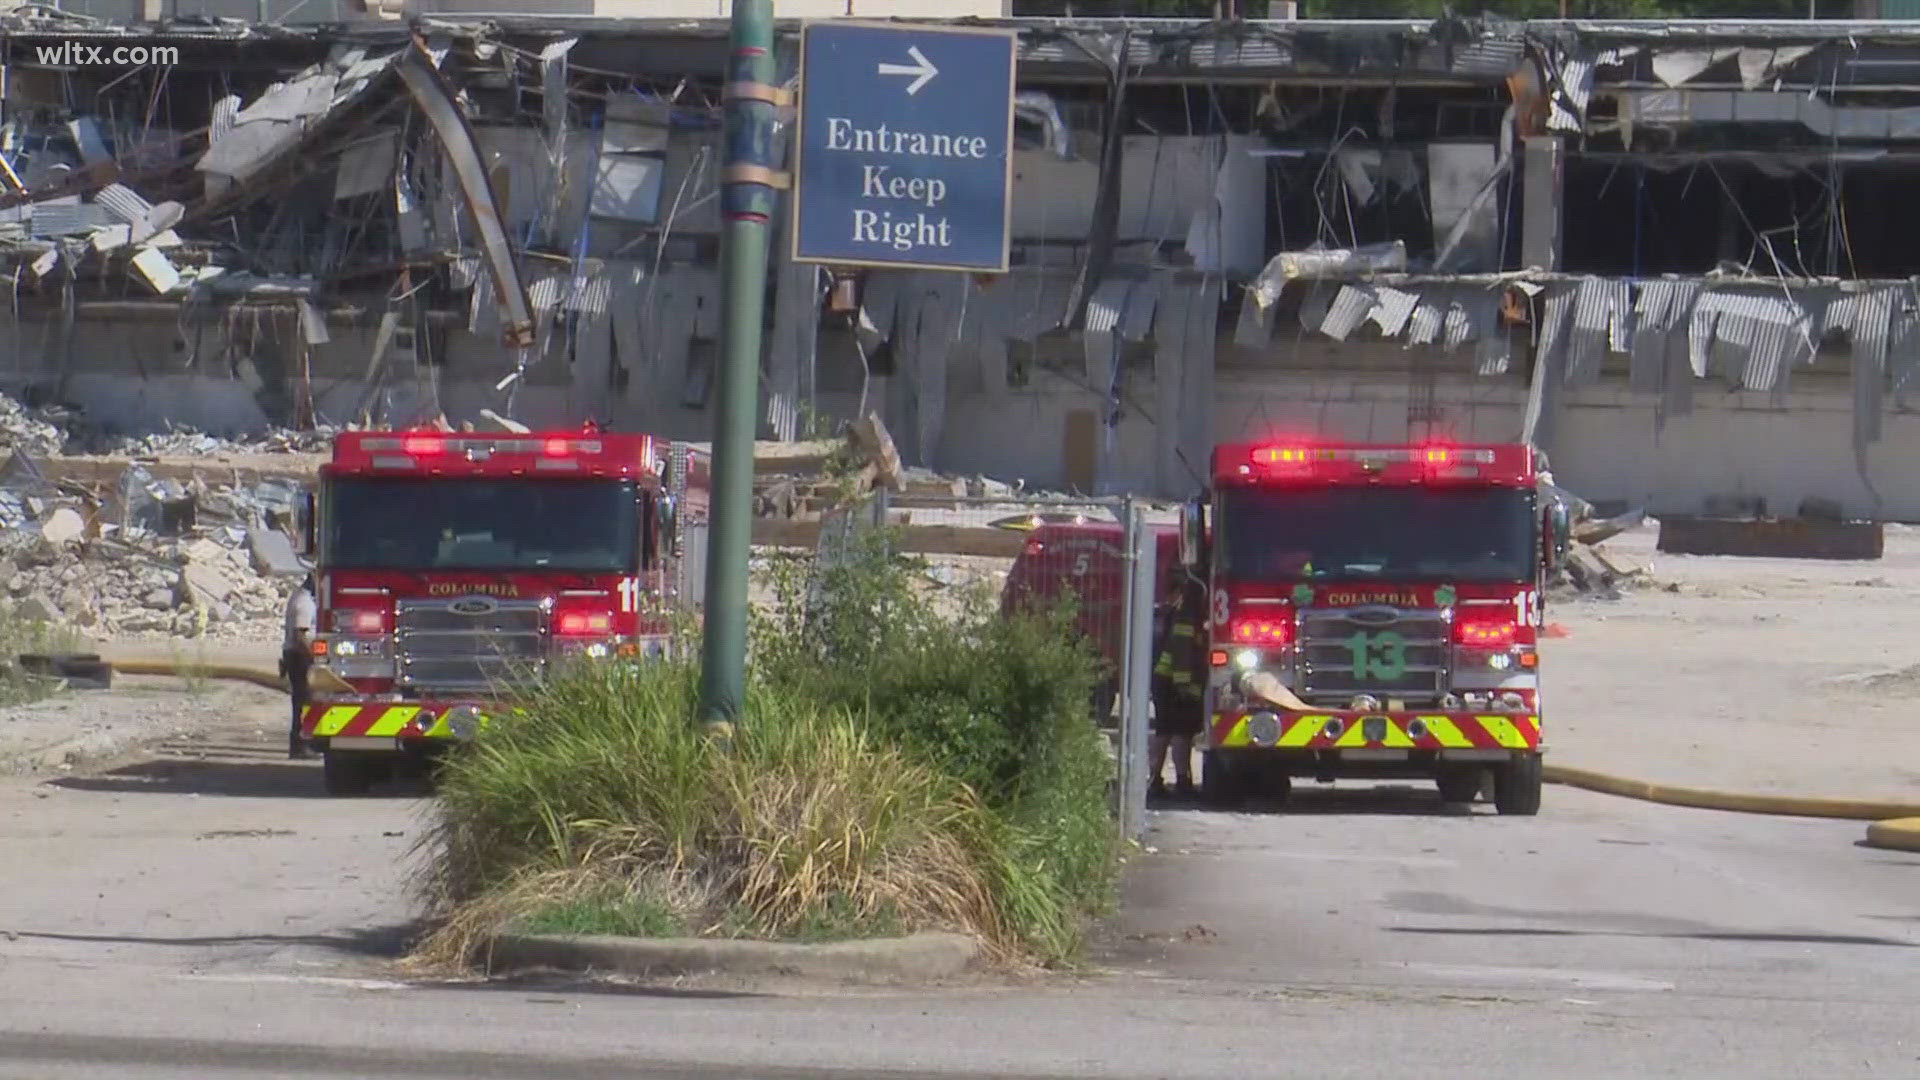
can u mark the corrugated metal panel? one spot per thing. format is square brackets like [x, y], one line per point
[1392, 308]
[1576, 78]
[546, 291]
[1751, 332]
[1549, 356]
[1109, 299]
[1350, 308]
[68, 218]
[1872, 328]
[1496, 350]
[1602, 320]
[224, 112]
[124, 203]
[1662, 306]
[1458, 327]
[591, 294]
[1424, 325]
[1489, 56]
[1903, 341]
[1249, 52]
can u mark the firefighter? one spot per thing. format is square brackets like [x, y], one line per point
[1179, 682]
[296, 656]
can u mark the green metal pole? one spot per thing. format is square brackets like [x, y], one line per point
[746, 206]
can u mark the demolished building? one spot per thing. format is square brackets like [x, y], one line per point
[1672, 254]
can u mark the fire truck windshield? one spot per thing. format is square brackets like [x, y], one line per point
[1390, 533]
[455, 523]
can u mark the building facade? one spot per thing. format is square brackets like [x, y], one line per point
[1674, 255]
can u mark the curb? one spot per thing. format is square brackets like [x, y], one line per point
[1900, 834]
[1704, 799]
[918, 958]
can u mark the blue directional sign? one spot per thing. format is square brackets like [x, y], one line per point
[904, 157]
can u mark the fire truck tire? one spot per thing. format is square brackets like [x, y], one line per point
[1222, 785]
[347, 774]
[1461, 785]
[1516, 786]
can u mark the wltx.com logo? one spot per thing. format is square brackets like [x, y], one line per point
[82, 54]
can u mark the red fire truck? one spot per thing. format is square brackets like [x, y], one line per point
[450, 565]
[1374, 615]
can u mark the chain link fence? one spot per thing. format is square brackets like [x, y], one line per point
[1110, 558]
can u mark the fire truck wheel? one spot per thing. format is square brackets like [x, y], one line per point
[1222, 784]
[346, 773]
[1516, 786]
[1461, 785]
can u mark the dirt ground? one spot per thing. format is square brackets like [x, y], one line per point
[1766, 675]
[78, 727]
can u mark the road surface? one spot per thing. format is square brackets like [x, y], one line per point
[205, 914]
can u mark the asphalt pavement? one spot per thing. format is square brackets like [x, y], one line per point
[205, 913]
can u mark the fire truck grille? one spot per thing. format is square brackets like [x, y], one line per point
[440, 647]
[1373, 650]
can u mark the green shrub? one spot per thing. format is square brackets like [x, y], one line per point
[1000, 703]
[905, 759]
[598, 801]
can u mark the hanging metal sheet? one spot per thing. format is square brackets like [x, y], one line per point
[1549, 357]
[1349, 309]
[1602, 320]
[1660, 307]
[1423, 326]
[1872, 331]
[1392, 308]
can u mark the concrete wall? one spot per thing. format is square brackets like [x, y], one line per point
[135, 377]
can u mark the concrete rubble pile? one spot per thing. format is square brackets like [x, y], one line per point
[144, 555]
[185, 441]
[33, 430]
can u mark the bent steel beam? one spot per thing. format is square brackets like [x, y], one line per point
[435, 99]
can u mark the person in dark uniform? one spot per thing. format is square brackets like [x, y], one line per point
[1179, 693]
[296, 656]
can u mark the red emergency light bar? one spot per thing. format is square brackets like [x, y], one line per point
[1351, 462]
[578, 453]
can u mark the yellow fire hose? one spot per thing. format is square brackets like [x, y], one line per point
[1896, 825]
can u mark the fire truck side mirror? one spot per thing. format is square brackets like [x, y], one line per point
[309, 523]
[669, 526]
[1559, 533]
[1192, 531]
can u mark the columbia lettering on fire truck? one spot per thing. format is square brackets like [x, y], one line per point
[1374, 614]
[450, 566]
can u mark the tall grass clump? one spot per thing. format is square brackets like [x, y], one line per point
[20, 635]
[598, 805]
[999, 703]
[905, 759]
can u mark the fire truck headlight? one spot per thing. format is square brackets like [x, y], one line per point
[1246, 659]
[463, 722]
[1263, 729]
[598, 650]
[1499, 661]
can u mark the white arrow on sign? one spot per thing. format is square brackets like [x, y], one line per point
[921, 67]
